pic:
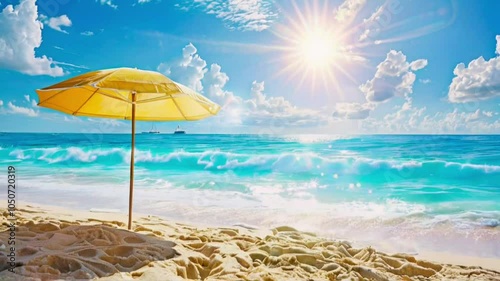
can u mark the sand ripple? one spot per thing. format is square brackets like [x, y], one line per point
[90, 248]
[49, 250]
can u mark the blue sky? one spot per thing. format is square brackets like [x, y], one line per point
[332, 67]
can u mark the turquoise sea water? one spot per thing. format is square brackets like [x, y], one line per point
[413, 193]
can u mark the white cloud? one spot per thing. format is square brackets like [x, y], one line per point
[480, 80]
[143, 1]
[498, 45]
[418, 64]
[352, 110]
[488, 113]
[409, 119]
[56, 22]
[72, 119]
[425, 81]
[259, 110]
[108, 3]
[70, 65]
[457, 121]
[87, 33]
[371, 24]
[13, 109]
[246, 15]
[189, 70]
[103, 122]
[394, 77]
[406, 119]
[348, 10]
[214, 82]
[20, 35]
[380, 19]
[277, 112]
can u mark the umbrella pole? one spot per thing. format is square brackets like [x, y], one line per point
[131, 194]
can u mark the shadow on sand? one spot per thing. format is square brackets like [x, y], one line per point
[48, 251]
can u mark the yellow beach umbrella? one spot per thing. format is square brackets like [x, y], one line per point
[129, 94]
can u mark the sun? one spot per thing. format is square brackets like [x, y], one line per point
[314, 48]
[318, 49]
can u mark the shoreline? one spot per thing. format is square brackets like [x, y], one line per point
[282, 253]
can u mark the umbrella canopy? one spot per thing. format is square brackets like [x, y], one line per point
[109, 94]
[129, 94]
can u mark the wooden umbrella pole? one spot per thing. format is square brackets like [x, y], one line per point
[131, 194]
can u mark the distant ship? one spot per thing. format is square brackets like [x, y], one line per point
[179, 130]
[152, 131]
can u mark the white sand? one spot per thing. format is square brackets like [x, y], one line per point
[55, 243]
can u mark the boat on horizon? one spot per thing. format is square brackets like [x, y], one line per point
[152, 131]
[179, 131]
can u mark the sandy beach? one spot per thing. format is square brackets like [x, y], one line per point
[54, 243]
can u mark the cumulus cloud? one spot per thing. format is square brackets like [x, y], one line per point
[352, 110]
[268, 105]
[259, 110]
[214, 82]
[277, 112]
[348, 10]
[57, 22]
[1, 102]
[480, 80]
[20, 35]
[425, 81]
[189, 70]
[87, 33]
[143, 1]
[394, 77]
[406, 119]
[246, 15]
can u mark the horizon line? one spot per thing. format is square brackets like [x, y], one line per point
[319, 134]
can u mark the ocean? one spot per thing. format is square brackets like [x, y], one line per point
[405, 193]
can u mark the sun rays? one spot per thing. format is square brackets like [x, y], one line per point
[319, 47]
[314, 46]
